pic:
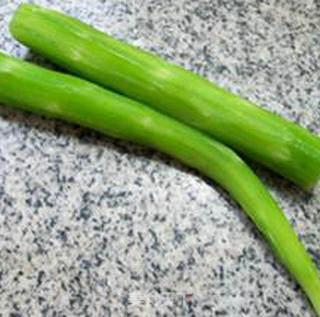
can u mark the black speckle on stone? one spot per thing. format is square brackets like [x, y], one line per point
[85, 197]
[41, 300]
[149, 25]
[155, 243]
[98, 260]
[126, 217]
[188, 18]
[99, 154]
[201, 251]
[221, 273]
[104, 243]
[63, 286]
[221, 313]
[62, 235]
[124, 300]
[206, 307]
[135, 277]
[40, 277]
[140, 236]
[85, 264]
[7, 201]
[282, 311]
[85, 213]
[221, 68]
[306, 213]
[245, 311]
[178, 236]
[191, 261]
[155, 269]
[138, 181]
[29, 202]
[181, 266]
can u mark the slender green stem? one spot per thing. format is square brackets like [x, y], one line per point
[264, 137]
[57, 95]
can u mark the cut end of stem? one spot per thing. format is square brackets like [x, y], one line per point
[23, 7]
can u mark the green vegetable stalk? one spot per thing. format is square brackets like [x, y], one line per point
[262, 136]
[57, 95]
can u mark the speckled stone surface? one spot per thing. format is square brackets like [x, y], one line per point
[90, 226]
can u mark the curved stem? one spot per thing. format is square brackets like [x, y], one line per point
[32, 88]
[262, 136]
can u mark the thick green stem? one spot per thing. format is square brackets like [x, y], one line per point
[264, 137]
[57, 95]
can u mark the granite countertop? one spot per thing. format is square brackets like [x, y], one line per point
[91, 226]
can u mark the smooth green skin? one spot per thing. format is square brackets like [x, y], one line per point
[262, 136]
[57, 95]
